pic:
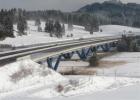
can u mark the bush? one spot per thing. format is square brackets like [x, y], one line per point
[22, 73]
[59, 88]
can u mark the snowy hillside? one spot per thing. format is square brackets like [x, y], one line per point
[34, 81]
[35, 37]
[26, 73]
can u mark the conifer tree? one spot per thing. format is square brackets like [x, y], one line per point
[63, 29]
[6, 24]
[37, 22]
[58, 29]
[22, 24]
[49, 27]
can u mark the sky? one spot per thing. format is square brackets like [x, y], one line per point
[63, 5]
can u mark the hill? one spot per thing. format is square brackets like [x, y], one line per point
[114, 13]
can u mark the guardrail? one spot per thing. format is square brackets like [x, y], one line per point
[5, 46]
[39, 47]
[73, 49]
[51, 44]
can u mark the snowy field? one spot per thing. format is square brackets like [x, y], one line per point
[129, 65]
[35, 37]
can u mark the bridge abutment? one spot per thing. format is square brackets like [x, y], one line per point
[93, 61]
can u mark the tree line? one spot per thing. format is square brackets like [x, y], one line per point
[10, 17]
[54, 19]
[89, 21]
[54, 28]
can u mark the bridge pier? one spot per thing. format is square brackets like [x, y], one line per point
[105, 48]
[93, 61]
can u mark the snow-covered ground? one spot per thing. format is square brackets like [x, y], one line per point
[84, 85]
[26, 73]
[118, 29]
[129, 67]
[123, 93]
[35, 37]
[125, 64]
[28, 80]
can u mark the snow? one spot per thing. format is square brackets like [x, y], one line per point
[37, 82]
[35, 37]
[130, 68]
[26, 73]
[93, 84]
[118, 90]
[124, 93]
[84, 85]
[118, 29]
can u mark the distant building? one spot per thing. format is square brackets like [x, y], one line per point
[114, 1]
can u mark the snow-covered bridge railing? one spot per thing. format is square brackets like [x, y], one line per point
[4, 47]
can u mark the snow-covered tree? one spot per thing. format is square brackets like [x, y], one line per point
[63, 29]
[37, 22]
[39, 29]
[70, 22]
[6, 24]
[49, 27]
[58, 29]
[22, 24]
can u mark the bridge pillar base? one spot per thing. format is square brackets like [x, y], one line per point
[94, 60]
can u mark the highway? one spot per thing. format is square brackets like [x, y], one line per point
[38, 53]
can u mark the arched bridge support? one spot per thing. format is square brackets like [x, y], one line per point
[68, 55]
[107, 47]
[83, 53]
[86, 52]
[54, 63]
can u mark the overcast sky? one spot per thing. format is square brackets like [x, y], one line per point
[64, 5]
